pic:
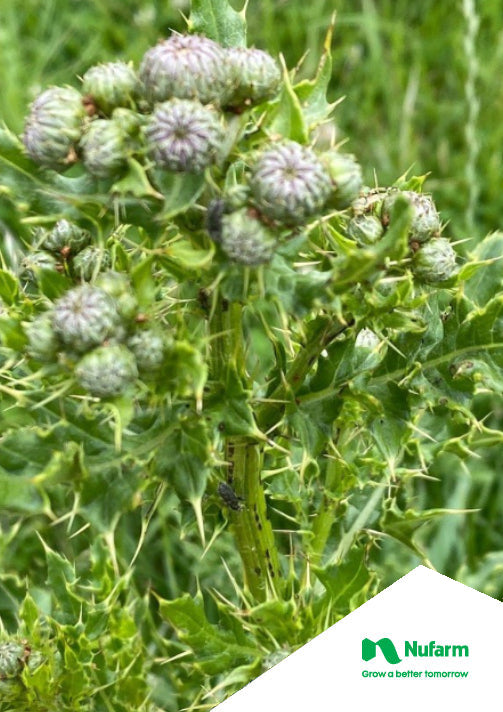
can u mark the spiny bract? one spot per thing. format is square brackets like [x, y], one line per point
[107, 371]
[184, 135]
[54, 126]
[289, 183]
[111, 85]
[187, 67]
[84, 317]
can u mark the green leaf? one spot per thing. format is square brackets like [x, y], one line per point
[312, 94]
[287, 117]
[347, 583]
[217, 20]
[180, 191]
[214, 650]
[8, 287]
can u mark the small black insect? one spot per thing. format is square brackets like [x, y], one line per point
[216, 210]
[229, 497]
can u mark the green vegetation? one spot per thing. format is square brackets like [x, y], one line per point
[247, 377]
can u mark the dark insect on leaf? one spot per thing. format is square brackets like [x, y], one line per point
[229, 497]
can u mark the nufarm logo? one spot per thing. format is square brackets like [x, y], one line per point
[412, 649]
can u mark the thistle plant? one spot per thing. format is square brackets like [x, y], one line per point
[229, 368]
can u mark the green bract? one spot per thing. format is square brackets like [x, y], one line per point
[107, 371]
[184, 135]
[289, 183]
[435, 261]
[111, 85]
[66, 238]
[54, 126]
[187, 67]
[425, 221]
[84, 317]
[245, 239]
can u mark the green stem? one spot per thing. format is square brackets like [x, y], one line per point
[252, 530]
[244, 454]
[324, 333]
[325, 517]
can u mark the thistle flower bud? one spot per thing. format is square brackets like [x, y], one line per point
[107, 371]
[104, 149]
[66, 238]
[289, 183]
[184, 135]
[148, 348]
[43, 343]
[435, 261]
[84, 317]
[425, 221]
[245, 240]
[90, 261]
[54, 126]
[119, 287]
[34, 262]
[187, 67]
[11, 659]
[346, 176]
[111, 85]
[255, 76]
[365, 229]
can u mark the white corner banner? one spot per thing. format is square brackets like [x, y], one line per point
[425, 643]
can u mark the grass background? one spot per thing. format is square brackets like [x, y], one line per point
[422, 91]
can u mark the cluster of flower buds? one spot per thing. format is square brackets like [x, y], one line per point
[433, 256]
[95, 330]
[172, 115]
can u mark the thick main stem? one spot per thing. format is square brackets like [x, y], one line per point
[244, 454]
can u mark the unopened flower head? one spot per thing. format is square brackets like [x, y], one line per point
[187, 67]
[184, 135]
[289, 183]
[111, 85]
[54, 126]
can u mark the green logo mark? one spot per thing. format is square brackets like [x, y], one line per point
[369, 650]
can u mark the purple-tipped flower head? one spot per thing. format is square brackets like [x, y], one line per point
[188, 67]
[54, 126]
[289, 183]
[184, 135]
[84, 317]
